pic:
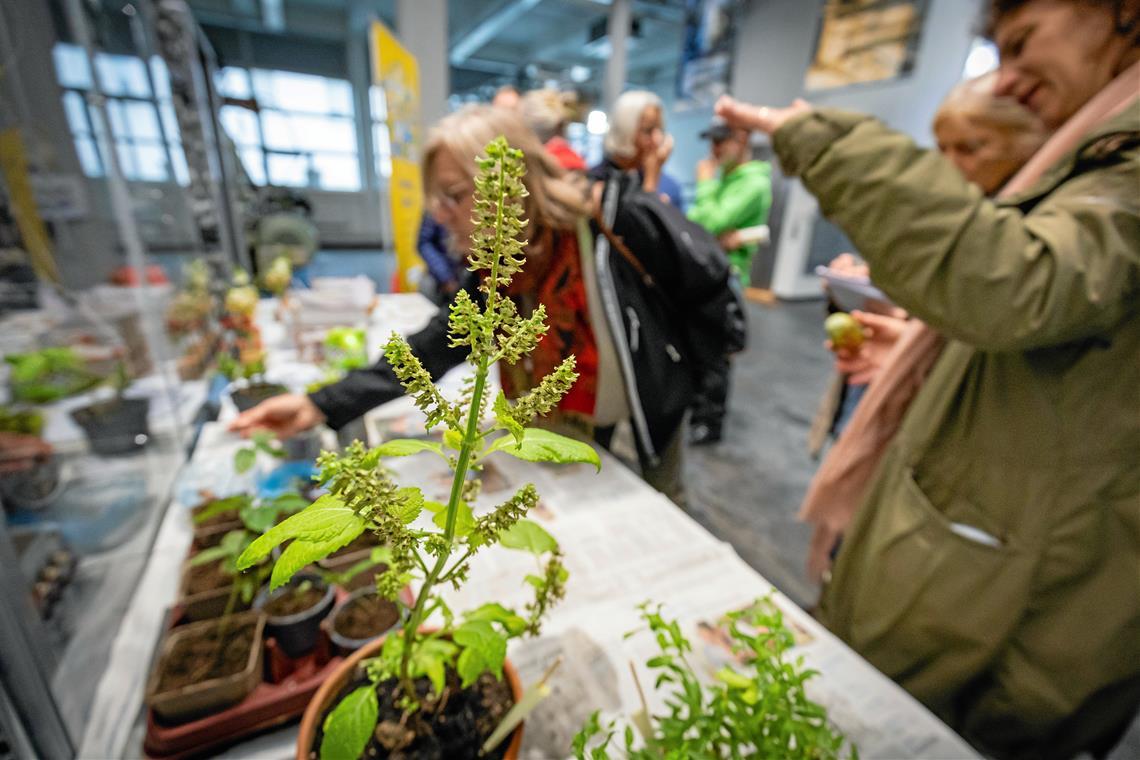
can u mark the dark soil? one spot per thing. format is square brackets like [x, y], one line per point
[207, 577]
[293, 601]
[200, 657]
[366, 616]
[468, 718]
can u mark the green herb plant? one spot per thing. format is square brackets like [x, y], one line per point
[263, 441]
[345, 349]
[758, 709]
[363, 497]
[21, 421]
[48, 375]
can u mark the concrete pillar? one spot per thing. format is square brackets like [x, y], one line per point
[421, 26]
[621, 17]
[359, 69]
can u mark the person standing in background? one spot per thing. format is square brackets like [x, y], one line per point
[637, 142]
[443, 266]
[733, 192]
[546, 112]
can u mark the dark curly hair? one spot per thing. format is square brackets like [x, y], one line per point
[1124, 13]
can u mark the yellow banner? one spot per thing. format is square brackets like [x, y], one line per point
[395, 71]
[31, 226]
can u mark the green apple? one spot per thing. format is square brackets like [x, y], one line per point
[843, 331]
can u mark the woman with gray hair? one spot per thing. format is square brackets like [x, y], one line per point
[637, 142]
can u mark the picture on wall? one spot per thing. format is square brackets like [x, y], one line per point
[864, 41]
[706, 58]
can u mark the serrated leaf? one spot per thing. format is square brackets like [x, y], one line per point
[545, 446]
[484, 650]
[507, 420]
[244, 459]
[402, 447]
[325, 526]
[464, 520]
[435, 507]
[410, 504]
[349, 727]
[527, 535]
[493, 612]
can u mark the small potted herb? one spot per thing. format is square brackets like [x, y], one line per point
[441, 690]
[278, 276]
[755, 708]
[243, 360]
[34, 480]
[48, 375]
[295, 611]
[117, 425]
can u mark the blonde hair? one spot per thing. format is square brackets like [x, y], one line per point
[974, 100]
[555, 201]
[625, 119]
[545, 111]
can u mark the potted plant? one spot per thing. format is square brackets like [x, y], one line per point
[243, 360]
[440, 689]
[34, 481]
[190, 320]
[278, 276]
[48, 375]
[117, 425]
[755, 707]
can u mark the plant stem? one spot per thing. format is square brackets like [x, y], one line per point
[411, 630]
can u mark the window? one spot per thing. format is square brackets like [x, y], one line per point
[142, 122]
[381, 145]
[301, 131]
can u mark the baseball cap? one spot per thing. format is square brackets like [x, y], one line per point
[717, 130]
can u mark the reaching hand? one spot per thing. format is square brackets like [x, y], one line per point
[763, 118]
[652, 163]
[284, 416]
[848, 264]
[730, 240]
[880, 333]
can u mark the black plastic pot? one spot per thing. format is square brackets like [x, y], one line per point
[118, 426]
[297, 634]
[303, 447]
[34, 488]
[345, 644]
[253, 394]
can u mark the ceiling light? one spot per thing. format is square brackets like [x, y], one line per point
[579, 74]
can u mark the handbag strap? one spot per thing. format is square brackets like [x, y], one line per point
[619, 245]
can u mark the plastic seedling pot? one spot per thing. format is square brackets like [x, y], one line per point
[296, 632]
[117, 426]
[384, 616]
[253, 394]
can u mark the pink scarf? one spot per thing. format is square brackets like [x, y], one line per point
[838, 487]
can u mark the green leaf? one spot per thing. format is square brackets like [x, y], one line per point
[544, 446]
[288, 503]
[206, 556]
[435, 507]
[409, 504]
[402, 447]
[221, 507]
[464, 520]
[507, 420]
[244, 459]
[493, 612]
[733, 679]
[484, 650]
[527, 535]
[325, 526]
[453, 439]
[349, 727]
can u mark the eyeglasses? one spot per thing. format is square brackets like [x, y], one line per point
[449, 199]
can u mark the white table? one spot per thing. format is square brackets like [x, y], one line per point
[624, 543]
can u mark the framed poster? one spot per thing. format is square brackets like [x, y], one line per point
[705, 72]
[862, 41]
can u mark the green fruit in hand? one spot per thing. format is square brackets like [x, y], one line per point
[843, 331]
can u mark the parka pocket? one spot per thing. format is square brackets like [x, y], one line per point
[921, 586]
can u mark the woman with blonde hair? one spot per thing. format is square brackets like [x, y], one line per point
[552, 277]
[637, 142]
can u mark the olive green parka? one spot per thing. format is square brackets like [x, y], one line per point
[993, 568]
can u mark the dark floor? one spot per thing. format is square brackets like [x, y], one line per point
[747, 489]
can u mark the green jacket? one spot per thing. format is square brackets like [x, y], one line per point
[734, 201]
[1027, 430]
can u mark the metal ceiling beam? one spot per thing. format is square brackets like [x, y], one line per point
[487, 29]
[673, 14]
[487, 66]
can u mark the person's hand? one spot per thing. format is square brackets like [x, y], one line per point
[850, 265]
[880, 333]
[730, 240]
[707, 168]
[763, 118]
[284, 416]
[20, 452]
[653, 162]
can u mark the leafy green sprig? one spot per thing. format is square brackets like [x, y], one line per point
[759, 709]
[363, 497]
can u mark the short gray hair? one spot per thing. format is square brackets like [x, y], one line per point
[624, 120]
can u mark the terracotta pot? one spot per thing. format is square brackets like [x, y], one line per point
[322, 700]
[209, 696]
